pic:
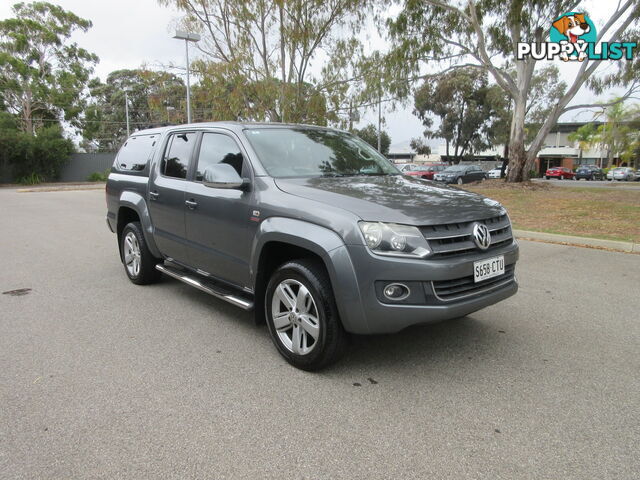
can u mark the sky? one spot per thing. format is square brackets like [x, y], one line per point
[130, 33]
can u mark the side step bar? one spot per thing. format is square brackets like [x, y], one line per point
[207, 287]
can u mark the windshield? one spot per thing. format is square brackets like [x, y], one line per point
[455, 168]
[307, 152]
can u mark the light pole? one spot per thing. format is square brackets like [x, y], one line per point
[126, 110]
[187, 37]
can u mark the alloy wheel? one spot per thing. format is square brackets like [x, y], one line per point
[295, 317]
[132, 256]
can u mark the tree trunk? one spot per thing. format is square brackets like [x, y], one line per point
[517, 153]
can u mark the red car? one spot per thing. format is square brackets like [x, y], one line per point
[424, 171]
[560, 172]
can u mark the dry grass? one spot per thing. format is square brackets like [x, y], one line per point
[588, 212]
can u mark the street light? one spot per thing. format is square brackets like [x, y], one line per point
[187, 37]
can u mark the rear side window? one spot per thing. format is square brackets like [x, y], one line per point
[218, 148]
[136, 152]
[175, 161]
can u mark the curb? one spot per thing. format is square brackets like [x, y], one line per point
[63, 188]
[627, 247]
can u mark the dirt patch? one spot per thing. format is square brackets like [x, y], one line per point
[586, 212]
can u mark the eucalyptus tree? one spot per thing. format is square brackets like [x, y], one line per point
[278, 60]
[459, 100]
[370, 135]
[436, 36]
[43, 74]
[154, 97]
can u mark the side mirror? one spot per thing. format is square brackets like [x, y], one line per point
[223, 175]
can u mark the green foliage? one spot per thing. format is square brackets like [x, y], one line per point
[370, 135]
[99, 176]
[40, 156]
[42, 73]
[420, 147]
[459, 99]
[149, 94]
[585, 137]
[620, 132]
[32, 179]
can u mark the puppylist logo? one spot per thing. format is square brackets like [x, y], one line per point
[573, 37]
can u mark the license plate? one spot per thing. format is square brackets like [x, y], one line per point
[489, 268]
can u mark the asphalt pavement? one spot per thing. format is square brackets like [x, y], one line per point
[100, 378]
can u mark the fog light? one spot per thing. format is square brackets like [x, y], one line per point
[396, 291]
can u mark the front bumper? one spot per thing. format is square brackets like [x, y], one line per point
[364, 313]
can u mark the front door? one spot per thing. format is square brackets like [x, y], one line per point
[217, 218]
[166, 195]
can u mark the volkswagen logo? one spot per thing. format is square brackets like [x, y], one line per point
[481, 236]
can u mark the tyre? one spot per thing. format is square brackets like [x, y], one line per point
[561, 177]
[139, 263]
[302, 316]
[459, 181]
[546, 177]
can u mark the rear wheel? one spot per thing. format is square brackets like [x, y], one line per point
[139, 263]
[302, 316]
[561, 177]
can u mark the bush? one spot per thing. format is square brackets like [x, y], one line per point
[32, 179]
[29, 156]
[533, 174]
[99, 176]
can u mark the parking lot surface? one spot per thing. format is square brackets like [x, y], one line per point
[100, 378]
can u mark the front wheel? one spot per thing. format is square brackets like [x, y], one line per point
[459, 181]
[302, 316]
[139, 263]
[561, 177]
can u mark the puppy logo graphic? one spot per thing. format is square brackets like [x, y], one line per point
[573, 36]
[576, 29]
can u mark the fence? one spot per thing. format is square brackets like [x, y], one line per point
[81, 165]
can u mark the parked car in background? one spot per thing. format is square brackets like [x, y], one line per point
[494, 173]
[460, 174]
[589, 172]
[425, 171]
[405, 167]
[560, 173]
[622, 173]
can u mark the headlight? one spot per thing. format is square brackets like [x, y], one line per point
[394, 240]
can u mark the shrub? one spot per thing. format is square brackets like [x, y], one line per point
[31, 179]
[42, 155]
[99, 176]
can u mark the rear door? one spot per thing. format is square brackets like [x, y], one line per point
[166, 195]
[217, 219]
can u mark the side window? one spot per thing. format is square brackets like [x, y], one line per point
[175, 161]
[218, 148]
[136, 152]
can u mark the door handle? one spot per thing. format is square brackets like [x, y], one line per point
[153, 195]
[192, 204]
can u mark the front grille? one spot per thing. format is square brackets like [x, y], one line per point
[455, 238]
[459, 288]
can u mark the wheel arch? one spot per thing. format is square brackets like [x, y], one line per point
[282, 239]
[132, 207]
